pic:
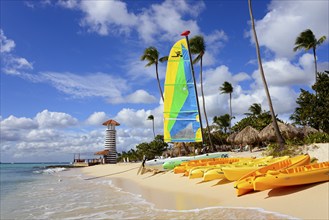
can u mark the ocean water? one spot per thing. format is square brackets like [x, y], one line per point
[31, 191]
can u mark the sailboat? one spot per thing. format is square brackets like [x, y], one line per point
[181, 108]
[182, 119]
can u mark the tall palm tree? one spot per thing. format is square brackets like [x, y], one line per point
[306, 40]
[151, 54]
[197, 46]
[151, 117]
[228, 89]
[279, 137]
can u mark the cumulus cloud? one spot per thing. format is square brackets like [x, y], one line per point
[46, 119]
[48, 133]
[286, 19]
[107, 16]
[154, 22]
[97, 118]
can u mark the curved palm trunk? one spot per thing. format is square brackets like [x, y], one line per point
[230, 110]
[315, 64]
[279, 137]
[153, 128]
[204, 106]
[157, 74]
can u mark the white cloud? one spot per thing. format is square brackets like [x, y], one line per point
[107, 16]
[71, 4]
[281, 72]
[214, 42]
[48, 119]
[6, 45]
[97, 118]
[12, 64]
[97, 84]
[154, 22]
[278, 30]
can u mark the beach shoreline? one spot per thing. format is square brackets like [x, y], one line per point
[173, 192]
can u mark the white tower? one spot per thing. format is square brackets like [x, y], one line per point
[110, 141]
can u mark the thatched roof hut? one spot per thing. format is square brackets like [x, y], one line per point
[248, 135]
[287, 131]
[306, 130]
[103, 152]
[231, 137]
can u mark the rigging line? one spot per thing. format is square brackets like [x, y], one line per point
[111, 174]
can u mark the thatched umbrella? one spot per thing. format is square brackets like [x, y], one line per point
[231, 137]
[306, 130]
[248, 135]
[268, 133]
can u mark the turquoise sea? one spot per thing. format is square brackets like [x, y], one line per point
[32, 191]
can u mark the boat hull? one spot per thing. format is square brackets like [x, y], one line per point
[312, 173]
[245, 183]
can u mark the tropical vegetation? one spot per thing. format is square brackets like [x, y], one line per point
[227, 88]
[151, 54]
[197, 46]
[307, 40]
[279, 137]
[312, 109]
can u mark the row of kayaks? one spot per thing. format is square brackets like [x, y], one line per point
[256, 174]
[170, 163]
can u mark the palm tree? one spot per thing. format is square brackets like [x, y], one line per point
[151, 54]
[223, 122]
[306, 40]
[228, 89]
[151, 117]
[197, 46]
[279, 137]
[255, 109]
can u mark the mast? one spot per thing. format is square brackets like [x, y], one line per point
[186, 33]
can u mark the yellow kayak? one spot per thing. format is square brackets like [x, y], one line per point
[213, 174]
[198, 172]
[186, 166]
[217, 172]
[312, 173]
[245, 183]
[236, 172]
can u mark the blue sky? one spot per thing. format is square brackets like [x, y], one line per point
[69, 65]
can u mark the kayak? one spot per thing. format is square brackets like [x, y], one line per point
[169, 163]
[236, 172]
[199, 171]
[312, 173]
[205, 163]
[245, 183]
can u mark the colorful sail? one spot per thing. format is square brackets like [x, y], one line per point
[181, 116]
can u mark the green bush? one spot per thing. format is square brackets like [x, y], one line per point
[289, 150]
[319, 137]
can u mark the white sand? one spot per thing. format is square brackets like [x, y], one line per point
[172, 191]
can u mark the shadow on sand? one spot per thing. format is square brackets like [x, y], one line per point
[282, 191]
[221, 182]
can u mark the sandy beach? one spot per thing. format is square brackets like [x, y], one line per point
[173, 191]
